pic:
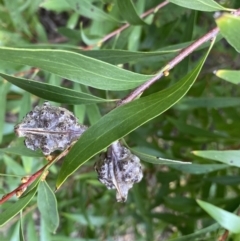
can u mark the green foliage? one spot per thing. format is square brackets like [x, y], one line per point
[184, 127]
[226, 219]
[230, 27]
[47, 205]
[136, 114]
[15, 208]
[233, 76]
[201, 5]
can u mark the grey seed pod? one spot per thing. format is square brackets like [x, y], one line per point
[119, 169]
[49, 128]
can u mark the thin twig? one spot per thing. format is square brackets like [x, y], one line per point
[119, 30]
[182, 55]
[224, 236]
[34, 176]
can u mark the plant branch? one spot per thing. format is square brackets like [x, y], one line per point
[34, 176]
[224, 236]
[119, 30]
[176, 60]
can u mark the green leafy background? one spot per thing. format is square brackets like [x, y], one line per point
[184, 128]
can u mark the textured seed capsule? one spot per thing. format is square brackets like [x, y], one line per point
[49, 128]
[119, 169]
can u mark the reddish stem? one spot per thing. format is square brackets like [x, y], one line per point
[34, 176]
[183, 54]
[23, 185]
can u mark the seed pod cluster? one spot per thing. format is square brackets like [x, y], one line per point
[49, 128]
[119, 169]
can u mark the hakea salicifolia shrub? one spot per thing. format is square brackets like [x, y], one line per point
[50, 128]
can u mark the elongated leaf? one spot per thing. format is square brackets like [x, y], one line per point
[21, 235]
[122, 121]
[47, 205]
[193, 130]
[231, 158]
[194, 236]
[129, 13]
[206, 102]
[53, 92]
[92, 111]
[14, 208]
[93, 114]
[89, 40]
[18, 148]
[75, 67]
[230, 27]
[45, 234]
[4, 87]
[79, 110]
[31, 233]
[56, 5]
[83, 220]
[87, 9]
[198, 169]
[13, 166]
[25, 105]
[225, 180]
[122, 56]
[157, 160]
[232, 76]
[118, 56]
[201, 5]
[226, 219]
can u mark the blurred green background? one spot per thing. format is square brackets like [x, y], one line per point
[163, 205]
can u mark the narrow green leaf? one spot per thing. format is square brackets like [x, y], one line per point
[86, 221]
[134, 38]
[45, 234]
[227, 220]
[198, 169]
[230, 28]
[199, 233]
[88, 40]
[21, 235]
[122, 120]
[157, 160]
[25, 105]
[53, 92]
[31, 232]
[79, 110]
[183, 68]
[47, 205]
[14, 208]
[225, 180]
[87, 9]
[193, 130]
[56, 5]
[201, 5]
[231, 158]
[93, 114]
[18, 148]
[232, 76]
[75, 67]
[117, 56]
[129, 13]
[4, 87]
[206, 102]
[13, 166]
